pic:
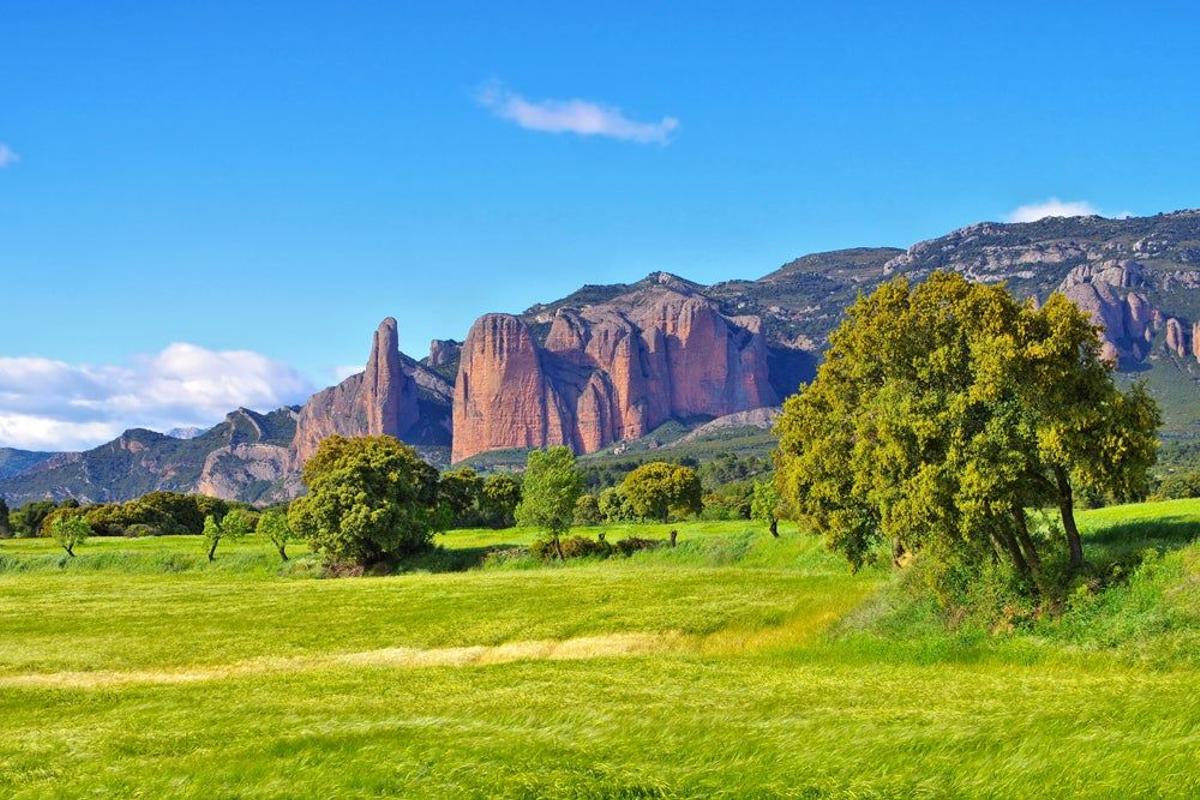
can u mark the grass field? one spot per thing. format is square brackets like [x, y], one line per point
[733, 665]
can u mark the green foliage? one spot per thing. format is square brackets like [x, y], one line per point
[462, 491]
[69, 529]
[500, 497]
[369, 498]
[764, 505]
[549, 489]
[658, 489]
[1179, 485]
[27, 520]
[943, 411]
[587, 510]
[5, 526]
[273, 526]
[613, 506]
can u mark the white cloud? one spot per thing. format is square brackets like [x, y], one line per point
[7, 156]
[582, 117]
[1054, 207]
[346, 370]
[52, 405]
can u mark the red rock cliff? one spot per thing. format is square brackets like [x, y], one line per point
[608, 372]
[381, 400]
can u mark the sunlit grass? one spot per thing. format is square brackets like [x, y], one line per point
[762, 669]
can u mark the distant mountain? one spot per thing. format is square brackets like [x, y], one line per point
[14, 462]
[639, 365]
[245, 456]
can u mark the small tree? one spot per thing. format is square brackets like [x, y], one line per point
[5, 527]
[549, 490]
[656, 489]
[69, 530]
[234, 525]
[764, 505]
[273, 526]
[587, 510]
[369, 498]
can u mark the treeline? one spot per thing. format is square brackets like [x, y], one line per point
[154, 514]
[372, 499]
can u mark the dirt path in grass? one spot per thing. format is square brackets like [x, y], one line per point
[584, 647]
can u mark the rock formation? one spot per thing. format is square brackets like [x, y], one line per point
[381, 400]
[443, 353]
[606, 372]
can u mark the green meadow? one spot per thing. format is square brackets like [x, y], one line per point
[734, 665]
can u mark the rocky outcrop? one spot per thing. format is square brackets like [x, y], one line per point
[443, 353]
[381, 400]
[607, 372]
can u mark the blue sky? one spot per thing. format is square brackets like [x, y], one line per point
[277, 177]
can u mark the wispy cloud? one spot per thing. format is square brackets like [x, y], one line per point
[47, 404]
[582, 117]
[340, 373]
[1053, 207]
[8, 156]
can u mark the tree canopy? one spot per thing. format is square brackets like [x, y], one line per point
[943, 411]
[549, 489]
[657, 489]
[369, 498]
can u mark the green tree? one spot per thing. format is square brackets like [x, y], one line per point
[764, 505]
[234, 525]
[657, 489]
[5, 526]
[369, 498]
[500, 496]
[27, 520]
[587, 510]
[273, 526]
[462, 490]
[549, 489]
[942, 412]
[70, 530]
[613, 506]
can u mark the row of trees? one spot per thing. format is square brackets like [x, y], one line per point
[943, 412]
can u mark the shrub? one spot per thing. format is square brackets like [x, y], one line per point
[634, 544]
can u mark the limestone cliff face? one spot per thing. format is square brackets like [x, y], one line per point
[607, 372]
[381, 400]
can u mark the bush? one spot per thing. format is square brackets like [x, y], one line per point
[139, 530]
[1179, 485]
[572, 547]
[634, 544]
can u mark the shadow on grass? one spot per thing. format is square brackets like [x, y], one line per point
[1126, 542]
[444, 559]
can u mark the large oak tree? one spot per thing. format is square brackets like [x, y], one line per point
[943, 411]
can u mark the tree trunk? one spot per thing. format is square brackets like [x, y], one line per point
[212, 552]
[70, 550]
[775, 527]
[1014, 552]
[283, 554]
[558, 549]
[1066, 508]
[1026, 541]
[674, 536]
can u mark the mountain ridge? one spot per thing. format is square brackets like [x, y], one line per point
[610, 362]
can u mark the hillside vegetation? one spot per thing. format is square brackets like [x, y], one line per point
[732, 665]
